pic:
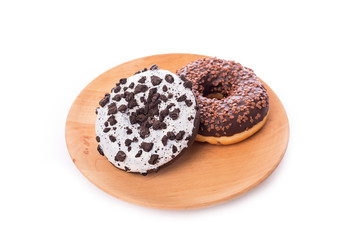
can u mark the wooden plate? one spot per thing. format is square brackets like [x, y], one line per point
[205, 175]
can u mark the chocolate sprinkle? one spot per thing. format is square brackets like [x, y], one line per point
[132, 85]
[174, 149]
[106, 130]
[112, 138]
[165, 88]
[97, 138]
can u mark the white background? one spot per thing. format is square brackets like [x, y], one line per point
[308, 52]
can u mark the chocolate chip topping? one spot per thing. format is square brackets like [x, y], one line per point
[155, 80]
[140, 88]
[182, 98]
[171, 135]
[138, 154]
[127, 142]
[154, 159]
[117, 97]
[123, 80]
[112, 120]
[122, 108]
[163, 114]
[141, 118]
[169, 78]
[141, 71]
[129, 96]
[174, 115]
[104, 101]
[142, 79]
[128, 131]
[170, 95]
[144, 132]
[159, 125]
[112, 109]
[106, 130]
[154, 67]
[132, 85]
[180, 135]
[188, 84]
[120, 156]
[182, 77]
[146, 146]
[112, 138]
[164, 140]
[100, 150]
[97, 138]
[117, 89]
[165, 88]
[174, 149]
[188, 103]
[163, 98]
[132, 103]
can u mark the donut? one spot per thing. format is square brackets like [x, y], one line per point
[147, 121]
[233, 103]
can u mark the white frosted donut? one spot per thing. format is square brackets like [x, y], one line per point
[147, 120]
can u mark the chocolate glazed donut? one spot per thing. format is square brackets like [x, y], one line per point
[233, 103]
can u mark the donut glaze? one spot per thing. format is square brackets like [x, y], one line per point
[230, 96]
[146, 121]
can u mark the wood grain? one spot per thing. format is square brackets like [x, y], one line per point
[205, 175]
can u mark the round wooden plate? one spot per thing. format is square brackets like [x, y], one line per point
[205, 175]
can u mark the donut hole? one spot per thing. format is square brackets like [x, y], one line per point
[216, 95]
[217, 92]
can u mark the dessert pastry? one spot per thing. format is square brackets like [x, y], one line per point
[233, 103]
[147, 120]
